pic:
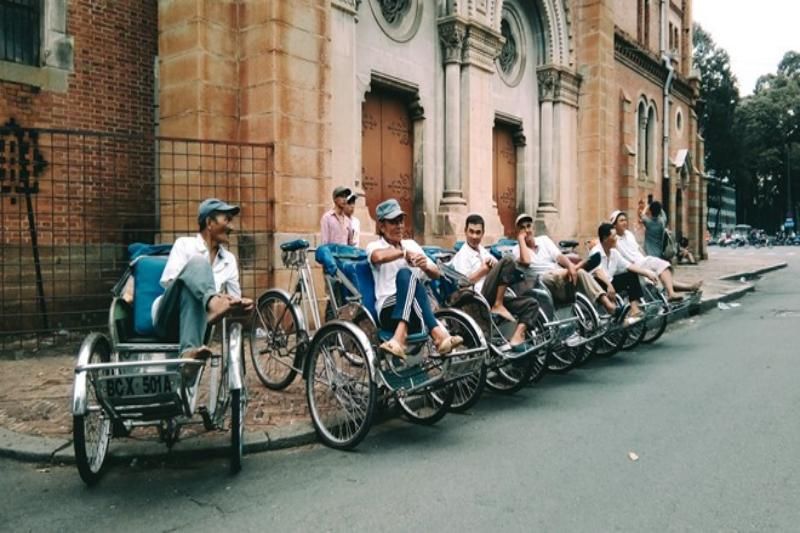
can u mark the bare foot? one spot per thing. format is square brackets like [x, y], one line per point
[200, 353]
[696, 286]
[218, 305]
[503, 312]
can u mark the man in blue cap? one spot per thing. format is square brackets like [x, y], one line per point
[201, 279]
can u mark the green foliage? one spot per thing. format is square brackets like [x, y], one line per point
[720, 97]
[750, 140]
[769, 125]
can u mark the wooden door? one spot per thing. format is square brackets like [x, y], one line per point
[504, 177]
[387, 153]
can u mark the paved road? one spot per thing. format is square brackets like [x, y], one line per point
[711, 410]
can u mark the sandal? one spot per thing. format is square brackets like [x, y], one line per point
[450, 343]
[675, 299]
[393, 347]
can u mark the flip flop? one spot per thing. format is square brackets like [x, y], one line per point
[448, 345]
[393, 347]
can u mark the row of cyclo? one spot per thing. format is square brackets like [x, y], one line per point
[347, 377]
[125, 380]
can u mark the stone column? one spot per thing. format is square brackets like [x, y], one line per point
[451, 36]
[558, 95]
[548, 80]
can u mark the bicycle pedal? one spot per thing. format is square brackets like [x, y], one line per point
[207, 422]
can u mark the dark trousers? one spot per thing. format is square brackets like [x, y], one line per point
[627, 282]
[523, 306]
[409, 304]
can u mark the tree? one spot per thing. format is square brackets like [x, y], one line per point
[768, 123]
[719, 95]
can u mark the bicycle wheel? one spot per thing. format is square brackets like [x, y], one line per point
[276, 340]
[613, 340]
[635, 335]
[91, 431]
[656, 326]
[539, 333]
[467, 391]
[564, 357]
[341, 395]
[427, 408]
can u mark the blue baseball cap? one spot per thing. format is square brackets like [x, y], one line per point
[389, 210]
[210, 206]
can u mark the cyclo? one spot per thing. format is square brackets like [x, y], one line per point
[345, 374]
[575, 326]
[504, 370]
[128, 378]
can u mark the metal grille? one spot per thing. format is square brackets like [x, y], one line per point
[72, 201]
[21, 31]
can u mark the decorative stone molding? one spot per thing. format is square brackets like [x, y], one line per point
[348, 6]
[452, 32]
[513, 53]
[558, 84]
[399, 19]
[481, 47]
[631, 54]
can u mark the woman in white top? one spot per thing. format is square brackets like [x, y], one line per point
[399, 267]
[630, 250]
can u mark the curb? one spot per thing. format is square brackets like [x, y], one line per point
[36, 449]
[749, 274]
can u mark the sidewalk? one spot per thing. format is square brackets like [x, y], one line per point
[35, 393]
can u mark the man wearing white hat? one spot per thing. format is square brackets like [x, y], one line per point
[629, 249]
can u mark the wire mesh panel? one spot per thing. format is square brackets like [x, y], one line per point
[72, 201]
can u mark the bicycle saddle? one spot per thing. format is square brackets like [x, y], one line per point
[292, 246]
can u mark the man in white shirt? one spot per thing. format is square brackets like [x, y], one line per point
[616, 273]
[399, 267]
[355, 224]
[198, 270]
[632, 252]
[491, 278]
[557, 272]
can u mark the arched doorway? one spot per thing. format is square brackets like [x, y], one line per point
[387, 152]
[504, 175]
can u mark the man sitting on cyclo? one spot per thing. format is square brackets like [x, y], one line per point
[616, 273]
[557, 272]
[196, 271]
[491, 278]
[399, 266]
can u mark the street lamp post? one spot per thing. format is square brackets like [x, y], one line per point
[788, 180]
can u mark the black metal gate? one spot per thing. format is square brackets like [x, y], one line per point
[71, 202]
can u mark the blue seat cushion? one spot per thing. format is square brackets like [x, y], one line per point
[360, 274]
[329, 256]
[413, 338]
[297, 244]
[147, 272]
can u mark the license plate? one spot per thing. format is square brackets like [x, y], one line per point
[139, 385]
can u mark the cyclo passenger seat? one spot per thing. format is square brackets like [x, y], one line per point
[353, 264]
[147, 265]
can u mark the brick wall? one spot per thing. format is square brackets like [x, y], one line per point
[92, 189]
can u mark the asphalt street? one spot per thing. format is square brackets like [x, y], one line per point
[710, 413]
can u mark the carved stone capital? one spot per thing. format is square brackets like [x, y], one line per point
[452, 31]
[558, 84]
